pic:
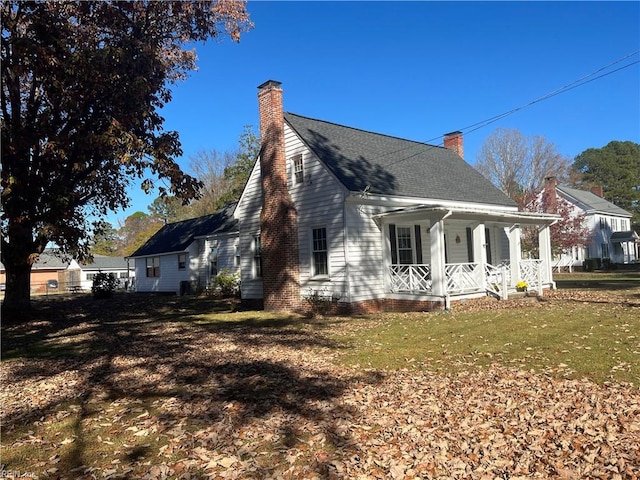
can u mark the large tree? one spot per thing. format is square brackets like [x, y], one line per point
[82, 86]
[517, 165]
[616, 167]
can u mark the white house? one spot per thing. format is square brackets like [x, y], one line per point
[184, 256]
[612, 238]
[365, 220]
[117, 266]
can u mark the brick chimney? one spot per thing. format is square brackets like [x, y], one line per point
[550, 196]
[453, 141]
[598, 190]
[278, 218]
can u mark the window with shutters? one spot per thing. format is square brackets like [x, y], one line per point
[405, 245]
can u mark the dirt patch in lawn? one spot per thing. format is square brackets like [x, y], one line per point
[142, 387]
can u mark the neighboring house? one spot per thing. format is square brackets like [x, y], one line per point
[364, 220]
[53, 272]
[117, 266]
[612, 238]
[49, 272]
[184, 256]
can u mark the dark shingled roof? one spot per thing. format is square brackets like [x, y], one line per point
[105, 262]
[176, 237]
[394, 166]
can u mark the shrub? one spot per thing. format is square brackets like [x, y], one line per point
[320, 301]
[104, 284]
[591, 264]
[227, 283]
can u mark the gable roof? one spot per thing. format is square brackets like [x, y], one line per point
[104, 262]
[593, 201]
[394, 166]
[176, 237]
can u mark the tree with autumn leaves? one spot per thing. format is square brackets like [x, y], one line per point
[82, 86]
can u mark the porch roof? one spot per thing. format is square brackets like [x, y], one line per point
[622, 237]
[437, 212]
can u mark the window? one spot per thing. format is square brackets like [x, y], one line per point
[605, 250]
[614, 224]
[298, 169]
[405, 249]
[182, 261]
[153, 267]
[236, 257]
[320, 253]
[603, 223]
[124, 274]
[91, 276]
[213, 261]
[257, 257]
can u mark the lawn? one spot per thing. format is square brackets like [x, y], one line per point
[170, 387]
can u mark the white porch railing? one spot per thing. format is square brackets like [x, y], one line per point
[464, 277]
[531, 272]
[410, 278]
[497, 276]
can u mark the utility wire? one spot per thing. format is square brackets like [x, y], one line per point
[476, 126]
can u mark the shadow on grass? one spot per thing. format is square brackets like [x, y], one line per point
[156, 349]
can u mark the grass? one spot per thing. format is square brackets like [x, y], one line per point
[600, 342]
[587, 333]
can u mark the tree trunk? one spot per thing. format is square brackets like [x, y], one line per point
[18, 286]
[17, 255]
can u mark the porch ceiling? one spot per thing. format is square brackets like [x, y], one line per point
[436, 213]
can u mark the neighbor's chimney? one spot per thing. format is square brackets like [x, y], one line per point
[598, 190]
[278, 218]
[550, 196]
[453, 141]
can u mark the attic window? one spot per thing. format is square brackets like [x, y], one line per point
[298, 169]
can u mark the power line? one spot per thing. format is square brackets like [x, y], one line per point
[570, 86]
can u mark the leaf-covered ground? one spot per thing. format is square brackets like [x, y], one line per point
[153, 388]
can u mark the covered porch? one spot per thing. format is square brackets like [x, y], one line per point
[436, 253]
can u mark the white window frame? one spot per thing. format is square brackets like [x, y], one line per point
[297, 165]
[412, 246]
[314, 251]
[182, 261]
[153, 267]
[256, 248]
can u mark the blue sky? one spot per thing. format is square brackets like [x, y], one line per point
[418, 70]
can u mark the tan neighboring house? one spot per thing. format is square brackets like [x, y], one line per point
[50, 273]
[53, 273]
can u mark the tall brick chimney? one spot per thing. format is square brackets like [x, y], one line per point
[598, 190]
[453, 141]
[550, 196]
[279, 218]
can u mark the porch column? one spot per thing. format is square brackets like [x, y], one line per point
[515, 254]
[438, 278]
[480, 250]
[544, 241]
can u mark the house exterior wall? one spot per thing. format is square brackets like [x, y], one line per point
[123, 276]
[602, 226]
[248, 215]
[319, 199]
[364, 254]
[170, 275]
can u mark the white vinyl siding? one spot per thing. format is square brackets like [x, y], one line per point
[364, 245]
[320, 202]
[248, 215]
